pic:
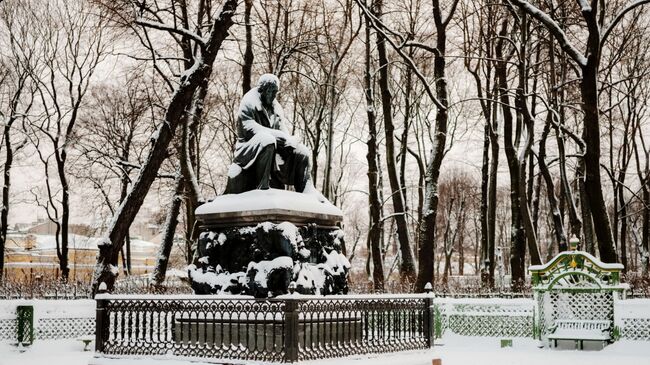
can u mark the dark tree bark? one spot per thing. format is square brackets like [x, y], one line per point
[485, 175]
[517, 235]
[375, 222]
[249, 57]
[585, 209]
[10, 149]
[169, 230]
[407, 263]
[175, 114]
[588, 64]
[524, 114]
[427, 235]
[553, 206]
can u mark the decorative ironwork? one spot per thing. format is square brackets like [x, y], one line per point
[286, 329]
[339, 327]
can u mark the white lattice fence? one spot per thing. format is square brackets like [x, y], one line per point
[486, 317]
[8, 321]
[61, 328]
[8, 328]
[53, 319]
[632, 319]
[575, 306]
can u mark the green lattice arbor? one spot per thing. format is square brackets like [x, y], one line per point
[575, 285]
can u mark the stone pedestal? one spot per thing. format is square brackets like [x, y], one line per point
[259, 242]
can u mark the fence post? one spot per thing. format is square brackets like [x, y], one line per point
[429, 315]
[25, 314]
[291, 318]
[101, 325]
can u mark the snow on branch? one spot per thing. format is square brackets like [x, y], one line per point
[425, 47]
[620, 16]
[555, 30]
[584, 6]
[179, 31]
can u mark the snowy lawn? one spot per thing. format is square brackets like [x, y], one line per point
[453, 350]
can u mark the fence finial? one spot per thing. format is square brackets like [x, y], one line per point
[428, 288]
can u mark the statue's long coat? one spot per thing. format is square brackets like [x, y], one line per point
[257, 127]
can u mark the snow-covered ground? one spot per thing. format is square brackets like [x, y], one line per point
[453, 350]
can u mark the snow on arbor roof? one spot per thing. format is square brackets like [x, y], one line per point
[602, 265]
[270, 204]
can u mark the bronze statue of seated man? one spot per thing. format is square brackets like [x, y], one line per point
[266, 155]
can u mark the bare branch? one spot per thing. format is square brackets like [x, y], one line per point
[554, 29]
[180, 31]
[619, 17]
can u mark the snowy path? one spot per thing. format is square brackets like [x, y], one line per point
[453, 351]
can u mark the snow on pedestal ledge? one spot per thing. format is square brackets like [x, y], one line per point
[268, 205]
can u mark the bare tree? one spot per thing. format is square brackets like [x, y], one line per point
[588, 62]
[375, 223]
[206, 48]
[17, 94]
[71, 40]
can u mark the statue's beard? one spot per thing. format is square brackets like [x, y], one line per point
[266, 102]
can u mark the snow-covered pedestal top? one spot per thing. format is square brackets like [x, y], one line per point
[268, 205]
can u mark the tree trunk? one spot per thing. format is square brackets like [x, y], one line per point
[558, 226]
[407, 265]
[527, 119]
[517, 236]
[65, 215]
[585, 210]
[247, 69]
[375, 222]
[593, 184]
[327, 176]
[6, 188]
[426, 239]
[623, 219]
[485, 259]
[492, 194]
[645, 235]
[169, 230]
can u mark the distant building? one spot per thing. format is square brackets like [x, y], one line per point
[33, 255]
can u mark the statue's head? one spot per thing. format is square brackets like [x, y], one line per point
[268, 86]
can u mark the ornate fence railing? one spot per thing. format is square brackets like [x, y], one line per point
[284, 329]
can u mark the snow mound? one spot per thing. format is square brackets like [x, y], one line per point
[263, 201]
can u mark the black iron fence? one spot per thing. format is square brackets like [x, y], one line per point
[286, 329]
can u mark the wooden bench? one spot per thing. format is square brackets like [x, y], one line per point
[580, 331]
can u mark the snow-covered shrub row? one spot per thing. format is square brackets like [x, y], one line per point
[264, 259]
